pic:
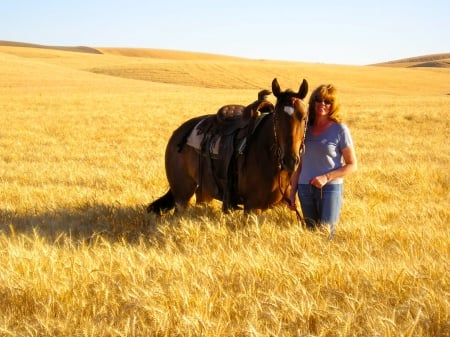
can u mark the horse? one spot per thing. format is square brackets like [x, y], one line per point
[272, 152]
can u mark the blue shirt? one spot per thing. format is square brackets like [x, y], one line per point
[323, 153]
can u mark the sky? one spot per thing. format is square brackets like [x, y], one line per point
[333, 32]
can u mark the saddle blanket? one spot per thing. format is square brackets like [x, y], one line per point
[196, 137]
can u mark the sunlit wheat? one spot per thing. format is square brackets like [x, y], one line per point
[82, 153]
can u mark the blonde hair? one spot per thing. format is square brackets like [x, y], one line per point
[325, 91]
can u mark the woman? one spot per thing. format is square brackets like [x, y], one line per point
[328, 158]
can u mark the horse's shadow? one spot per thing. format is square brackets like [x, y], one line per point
[82, 223]
[115, 223]
[85, 224]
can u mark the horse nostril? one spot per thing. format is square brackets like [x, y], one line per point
[290, 162]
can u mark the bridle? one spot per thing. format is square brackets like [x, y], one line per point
[290, 110]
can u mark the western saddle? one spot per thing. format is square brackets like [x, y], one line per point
[221, 138]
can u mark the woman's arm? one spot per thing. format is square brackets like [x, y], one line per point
[350, 166]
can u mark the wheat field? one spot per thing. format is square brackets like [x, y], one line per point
[82, 154]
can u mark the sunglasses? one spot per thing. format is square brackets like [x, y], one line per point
[326, 101]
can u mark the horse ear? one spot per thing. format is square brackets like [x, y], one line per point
[303, 90]
[275, 87]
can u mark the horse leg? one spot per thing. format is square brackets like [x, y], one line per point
[183, 194]
[182, 184]
[201, 197]
[182, 188]
[201, 193]
[187, 177]
[252, 210]
[255, 216]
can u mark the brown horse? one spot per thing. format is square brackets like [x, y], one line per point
[272, 152]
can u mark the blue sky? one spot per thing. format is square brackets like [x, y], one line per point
[335, 32]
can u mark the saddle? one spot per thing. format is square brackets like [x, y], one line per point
[220, 138]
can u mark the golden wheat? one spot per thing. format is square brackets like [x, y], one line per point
[82, 153]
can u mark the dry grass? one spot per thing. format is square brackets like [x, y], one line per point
[82, 147]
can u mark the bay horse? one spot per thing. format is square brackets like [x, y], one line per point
[264, 168]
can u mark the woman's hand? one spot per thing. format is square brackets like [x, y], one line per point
[320, 181]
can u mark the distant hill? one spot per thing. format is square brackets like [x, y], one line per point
[433, 60]
[80, 49]
[164, 54]
[132, 52]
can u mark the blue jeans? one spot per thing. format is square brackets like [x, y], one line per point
[321, 206]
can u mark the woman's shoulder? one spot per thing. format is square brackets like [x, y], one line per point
[341, 127]
[343, 133]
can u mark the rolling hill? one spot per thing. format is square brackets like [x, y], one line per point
[432, 60]
[217, 71]
[80, 49]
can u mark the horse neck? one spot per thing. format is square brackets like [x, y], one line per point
[262, 142]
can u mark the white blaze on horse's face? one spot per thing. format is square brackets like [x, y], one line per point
[289, 110]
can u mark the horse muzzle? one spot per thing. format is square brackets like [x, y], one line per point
[290, 162]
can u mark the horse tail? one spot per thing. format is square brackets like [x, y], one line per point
[162, 204]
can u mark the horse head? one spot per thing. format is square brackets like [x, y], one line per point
[289, 123]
